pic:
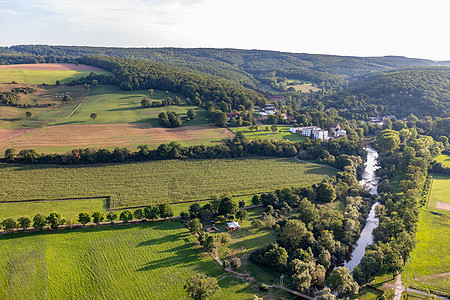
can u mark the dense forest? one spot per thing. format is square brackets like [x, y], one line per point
[240, 66]
[419, 91]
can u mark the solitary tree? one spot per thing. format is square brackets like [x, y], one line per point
[165, 210]
[9, 154]
[201, 287]
[28, 114]
[242, 215]
[191, 113]
[151, 92]
[111, 216]
[84, 218]
[227, 206]
[24, 222]
[66, 98]
[93, 116]
[195, 209]
[97, 217]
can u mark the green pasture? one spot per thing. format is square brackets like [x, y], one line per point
[140, 184]
[431, 256]
[43, 76]
[68, 208]
[444, 158]
[440, 190]
[265, 133]
[113, 106]
[143, 261]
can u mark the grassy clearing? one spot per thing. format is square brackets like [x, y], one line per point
[440, 190]
[432, 253]
[116, 106]
[444, 158]
[42, 76]
[42, 114]
[139, 184]
[148, 261]
[265, 133]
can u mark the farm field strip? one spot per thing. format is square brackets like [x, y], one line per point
[64, 138]
[265, 133]
[440, 190]
[139, 184]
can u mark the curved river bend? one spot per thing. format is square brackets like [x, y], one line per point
[369, 179]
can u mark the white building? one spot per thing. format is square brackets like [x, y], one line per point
[311, 131]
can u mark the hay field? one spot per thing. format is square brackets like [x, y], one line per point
[64, 138]
[440, 190]
[444, 158]
[140, 184]
[265, 133]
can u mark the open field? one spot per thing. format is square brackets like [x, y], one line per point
[140, 184]
[45, 105]
[45, 73]
[304, 88]
[266, 133]
[64, 138]
[440, 190]
[116, 106]
[145, 261]
[431, 257]
[69, 209]
[444, 158]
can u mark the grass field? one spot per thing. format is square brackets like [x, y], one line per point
[440, 190]
[266, 133]
[145, 261]
[444, 158]
[14, 117]
[42, 76]
[139, 184]
[116, 106]
[431, 256]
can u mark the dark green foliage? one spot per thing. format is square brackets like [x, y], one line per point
[84, 218]
[151, 212]
[195, 225]
[138, 214]
[39, 221]
[165, 210]
[97, 217]
[126, 216]
[169, 119]
[9, 224]
[24, 222]
[111, 216]
[341, 282]
[54, 220]
[227, 206]
[201, 287]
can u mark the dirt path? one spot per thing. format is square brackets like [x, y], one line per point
[398, 288]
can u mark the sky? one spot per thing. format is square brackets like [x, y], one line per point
[409, 28]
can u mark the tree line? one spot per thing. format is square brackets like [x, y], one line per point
[341, 153]
[54, 220]
[395, 237]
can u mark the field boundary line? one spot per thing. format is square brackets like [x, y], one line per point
[73, 111]
[429, 192]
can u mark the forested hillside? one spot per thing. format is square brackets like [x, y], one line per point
[241, 66]
[419, 91]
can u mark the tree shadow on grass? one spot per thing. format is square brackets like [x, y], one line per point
[181, 256]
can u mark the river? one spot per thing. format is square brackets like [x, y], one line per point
[370, 179]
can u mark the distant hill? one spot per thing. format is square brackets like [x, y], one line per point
[241, 66]
[420, 91]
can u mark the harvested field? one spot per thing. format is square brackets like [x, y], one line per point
[63, 138]
[55, 67]
[444, 206]
[304, 88]
[6, 134]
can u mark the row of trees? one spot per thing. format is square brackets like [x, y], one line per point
[341, 153]
[145, 102]
[55, 219]
[169, 119]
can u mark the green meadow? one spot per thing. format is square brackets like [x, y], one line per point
[431, 257]
[143, 261]
[444, 158]
[113, 106]
[140, 184]
[265, 133]
[440, 190]
[43, 76]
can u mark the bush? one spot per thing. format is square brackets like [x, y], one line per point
[263, 288]
[235, 263]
